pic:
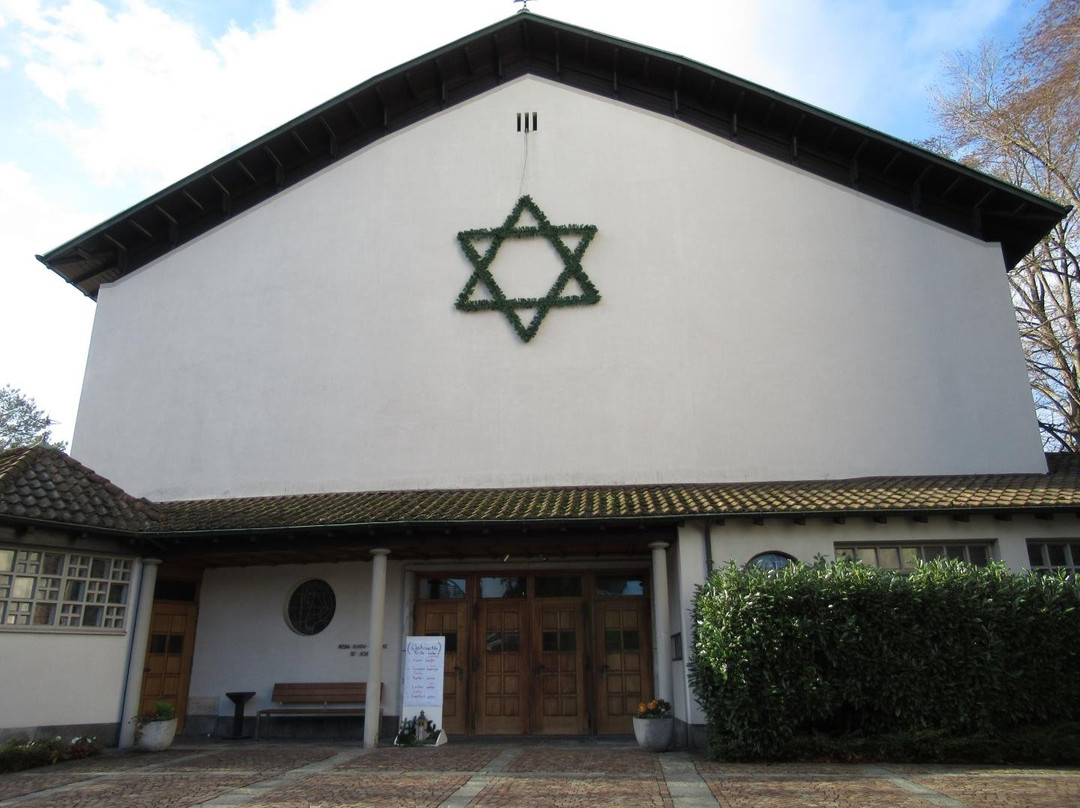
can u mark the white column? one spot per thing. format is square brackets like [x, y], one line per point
[140, 634]
[661, 620]
[375, 644]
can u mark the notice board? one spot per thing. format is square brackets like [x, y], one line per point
[424, 668]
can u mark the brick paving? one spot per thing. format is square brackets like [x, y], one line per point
[630, 761]
[449, 758]
[545, 774]
[572, 792]
[12, 785]
[1032, 789]
[374, 790]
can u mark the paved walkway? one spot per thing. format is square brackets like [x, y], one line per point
[480, 775]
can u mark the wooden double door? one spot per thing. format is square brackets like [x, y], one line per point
[533, 662]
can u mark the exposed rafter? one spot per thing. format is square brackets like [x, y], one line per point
[767, 122]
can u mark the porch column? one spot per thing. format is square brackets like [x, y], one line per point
[140, 634]
[661, 620]
[375, 643]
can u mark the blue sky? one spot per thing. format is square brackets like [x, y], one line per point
[103, 102]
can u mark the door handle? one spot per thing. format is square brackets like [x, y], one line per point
[459, 671]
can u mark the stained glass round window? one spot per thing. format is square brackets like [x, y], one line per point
[311, 607]
[773, 561]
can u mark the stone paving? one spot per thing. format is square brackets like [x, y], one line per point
[546, 774]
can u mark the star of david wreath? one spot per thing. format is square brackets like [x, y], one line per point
[555, 297]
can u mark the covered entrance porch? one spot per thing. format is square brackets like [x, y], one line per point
[557, 652]
[550, 628]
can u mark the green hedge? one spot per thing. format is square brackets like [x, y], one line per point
[842, 649]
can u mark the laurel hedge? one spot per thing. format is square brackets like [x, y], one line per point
[845, 650]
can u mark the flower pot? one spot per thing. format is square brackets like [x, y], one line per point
[154, 736]
[654, 734]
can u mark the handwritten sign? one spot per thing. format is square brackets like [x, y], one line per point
[423, 686]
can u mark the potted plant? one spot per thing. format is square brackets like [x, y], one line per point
[155, 731]
[653, 725]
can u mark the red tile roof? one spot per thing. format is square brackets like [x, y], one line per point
[44, 485]
[1057, 490]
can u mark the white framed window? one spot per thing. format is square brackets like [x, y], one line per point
[44, 589]
[1045, 555]
[904, 556]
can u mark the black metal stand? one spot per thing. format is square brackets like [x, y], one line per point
[239, 698]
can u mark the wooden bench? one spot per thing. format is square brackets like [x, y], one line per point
[318, 698]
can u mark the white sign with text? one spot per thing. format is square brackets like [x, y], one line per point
[422, 688]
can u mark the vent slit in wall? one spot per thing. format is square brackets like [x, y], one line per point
[528, 120]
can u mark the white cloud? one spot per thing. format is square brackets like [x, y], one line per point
[45, 329]
[158, 101]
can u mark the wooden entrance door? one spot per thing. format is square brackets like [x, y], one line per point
[447, 618]
[558, 645]
[168, 657]
[502, 679]
[624, 675]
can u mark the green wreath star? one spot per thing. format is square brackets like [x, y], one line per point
[555, 297]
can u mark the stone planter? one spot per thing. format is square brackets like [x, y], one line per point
[654, 734]
[153, 736]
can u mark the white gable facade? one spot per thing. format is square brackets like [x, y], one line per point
[778, 363]
[756, 323]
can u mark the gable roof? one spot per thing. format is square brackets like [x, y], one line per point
[765, 121]
[44, 485]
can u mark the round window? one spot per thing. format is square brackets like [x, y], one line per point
[771, 561]
[311, 607]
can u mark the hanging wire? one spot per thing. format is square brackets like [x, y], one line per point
[524, 161]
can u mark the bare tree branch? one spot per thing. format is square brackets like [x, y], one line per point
[1016, 114]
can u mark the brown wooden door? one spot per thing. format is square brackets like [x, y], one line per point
[502, 677]
[447, 618]
[558, 682]
[168, 657]
[624, 675]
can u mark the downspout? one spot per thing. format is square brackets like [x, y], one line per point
[688, 644]
[708, 548]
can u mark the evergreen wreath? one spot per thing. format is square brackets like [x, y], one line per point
[555, 297]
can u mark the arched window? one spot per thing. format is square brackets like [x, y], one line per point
[772, 560]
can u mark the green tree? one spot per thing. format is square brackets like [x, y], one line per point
[1015, 113]
[22, 423]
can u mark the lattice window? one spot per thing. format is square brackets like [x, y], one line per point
[905, 557]
[1045, 556]
[45, 589]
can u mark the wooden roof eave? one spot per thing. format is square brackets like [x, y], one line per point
[635, 74]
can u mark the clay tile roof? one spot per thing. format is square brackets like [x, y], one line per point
[41, 484]
[45, 485]
[1057, 490]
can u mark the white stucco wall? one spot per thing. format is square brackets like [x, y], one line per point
[244, 642]
[756, 323]
[56, 679]
[62, 677]
[740, 540]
